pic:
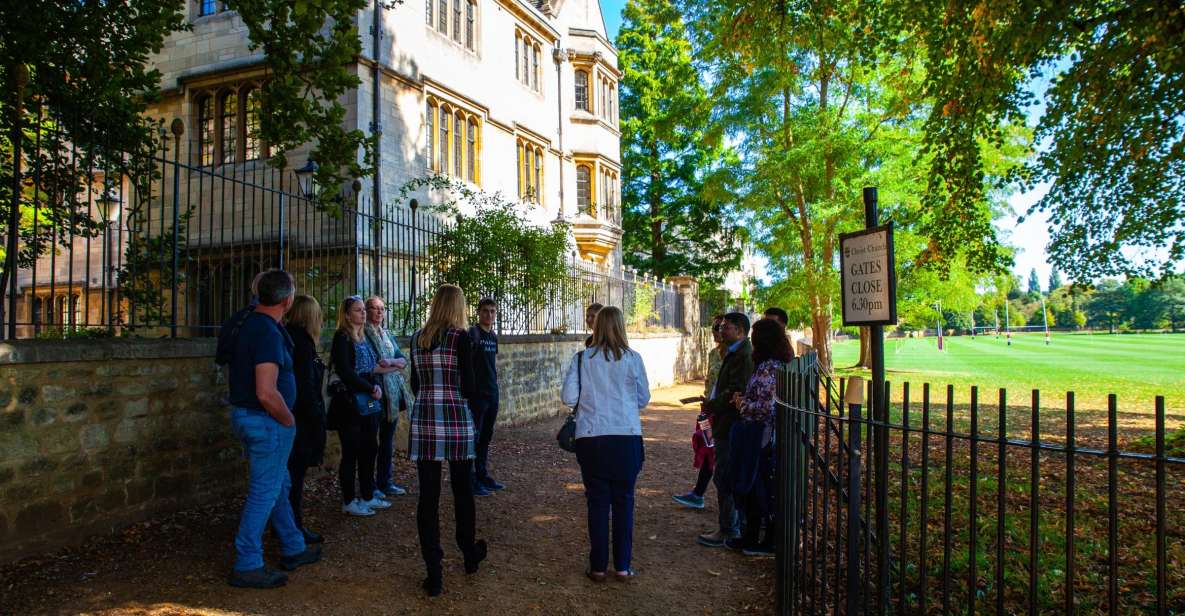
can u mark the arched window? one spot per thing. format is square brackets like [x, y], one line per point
[35, 311]
[528, 170]
[63, 315]
[518, 43]
[75, 310]
[613, 102]
[229, 121]
[442, 23]
[442, 144]
[428, 12]
[538, 175]
[582, 90]
[583, 187]
[430, 132]
[458, 140]
[470, 17]
[206, 130]
[253, 145]
[535, 68]
[526, 62]
[522, 188]
[457, 20]
[472, 150]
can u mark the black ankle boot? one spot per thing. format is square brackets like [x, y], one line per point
[475, 556]
[434, 583]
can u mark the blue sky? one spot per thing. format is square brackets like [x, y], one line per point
[611, 10]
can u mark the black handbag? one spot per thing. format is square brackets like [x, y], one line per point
[341, 403]
[566, 437]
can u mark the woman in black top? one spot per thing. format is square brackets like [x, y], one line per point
[355, 362]
[308, 449]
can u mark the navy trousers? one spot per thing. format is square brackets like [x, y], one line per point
[609, 466]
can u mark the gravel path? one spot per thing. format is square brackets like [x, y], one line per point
[536, 529]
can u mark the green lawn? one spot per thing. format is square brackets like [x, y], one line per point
[1136, 367]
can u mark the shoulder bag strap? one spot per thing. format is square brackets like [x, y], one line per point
[579, 380]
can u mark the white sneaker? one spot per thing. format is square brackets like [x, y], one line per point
[377, 503]
[358, 508]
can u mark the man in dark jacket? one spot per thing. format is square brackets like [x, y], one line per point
[735, 371]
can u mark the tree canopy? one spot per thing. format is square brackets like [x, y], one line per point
[677, 219]
[1111, 141]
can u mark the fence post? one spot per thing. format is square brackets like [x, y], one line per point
[177, 128]
[21, 77]
[281, 243]
[854, 398]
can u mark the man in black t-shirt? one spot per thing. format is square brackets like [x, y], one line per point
[485, 404]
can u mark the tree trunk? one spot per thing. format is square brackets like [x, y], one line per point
[865, 360]
[658, 245]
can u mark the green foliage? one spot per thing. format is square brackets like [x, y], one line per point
[1112, 120]
[1034, 283]
[817, 109]
[491, 251]
[676, 216]
[641, 312]
[308, 48]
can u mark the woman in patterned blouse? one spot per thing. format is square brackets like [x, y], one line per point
[751, 439]
[442, 381]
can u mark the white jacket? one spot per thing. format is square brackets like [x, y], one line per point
[612, 394]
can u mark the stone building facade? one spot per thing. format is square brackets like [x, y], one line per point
[510, 96]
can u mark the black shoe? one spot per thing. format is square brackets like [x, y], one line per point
[310, 555]
[473, 559]
[492, 484]
[259, 578]
[311, 538]
[433, 585]
[760, 550]
[734, 543]
[480, 490]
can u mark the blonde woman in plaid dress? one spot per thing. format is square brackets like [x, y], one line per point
[442, 380]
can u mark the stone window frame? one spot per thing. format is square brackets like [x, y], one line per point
[602, 197]
[580, 89]
[455, 20]
[529, 161]
[584, 198]
[444, 158]
[528, 52]
[209, 141]
[206, 8]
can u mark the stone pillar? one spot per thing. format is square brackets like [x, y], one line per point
[688, 289]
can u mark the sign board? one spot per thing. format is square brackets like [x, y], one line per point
[867, 277]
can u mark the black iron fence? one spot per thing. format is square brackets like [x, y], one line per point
[963, 505]
[170, 248]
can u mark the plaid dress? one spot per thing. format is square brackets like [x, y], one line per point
[441, 424]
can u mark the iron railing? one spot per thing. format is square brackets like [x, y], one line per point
[172, 249]
[970, 508]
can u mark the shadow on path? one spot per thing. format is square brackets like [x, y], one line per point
[536, 530]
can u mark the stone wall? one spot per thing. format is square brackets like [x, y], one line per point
[97, 434]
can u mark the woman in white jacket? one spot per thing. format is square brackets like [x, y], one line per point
[608, 381]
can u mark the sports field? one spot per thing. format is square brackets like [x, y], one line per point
[1136, 367]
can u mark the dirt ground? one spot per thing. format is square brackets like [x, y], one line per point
[536, 530]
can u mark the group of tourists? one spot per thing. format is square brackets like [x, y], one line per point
[277, 384]
[733, 439]
[448, 388]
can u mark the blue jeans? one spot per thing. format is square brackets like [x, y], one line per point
[385, 462]
[266, 444]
